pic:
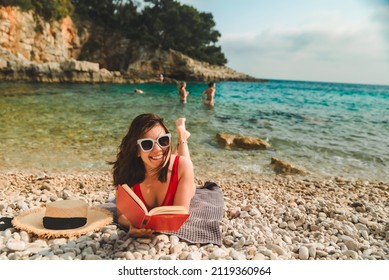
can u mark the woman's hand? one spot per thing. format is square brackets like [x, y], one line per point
[133, 231]
[140, 232]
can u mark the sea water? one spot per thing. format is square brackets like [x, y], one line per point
[329, 129]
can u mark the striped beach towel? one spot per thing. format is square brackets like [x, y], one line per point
[206, 211]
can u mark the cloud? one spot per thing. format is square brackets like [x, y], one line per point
[329, 48]
[381, 16]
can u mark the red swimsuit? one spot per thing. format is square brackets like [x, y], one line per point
[171, 191]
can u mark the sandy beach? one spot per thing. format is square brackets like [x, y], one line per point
[266, 218]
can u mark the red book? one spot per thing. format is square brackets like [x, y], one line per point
[162, 218]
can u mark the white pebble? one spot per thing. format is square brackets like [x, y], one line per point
[218, 253]
[303, 253]
[14, 245]
[194, 256]
[351, 254]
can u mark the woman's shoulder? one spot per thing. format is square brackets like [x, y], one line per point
[173, 159]
[183, 163]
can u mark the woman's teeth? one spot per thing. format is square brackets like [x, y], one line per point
[157, 157]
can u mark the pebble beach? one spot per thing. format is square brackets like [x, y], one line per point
[266, 218]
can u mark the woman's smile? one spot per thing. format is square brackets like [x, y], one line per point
[158, 157]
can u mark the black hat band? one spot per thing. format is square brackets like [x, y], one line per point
[63, 223]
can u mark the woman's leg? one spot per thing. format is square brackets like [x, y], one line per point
[182, 145]
[183, 135]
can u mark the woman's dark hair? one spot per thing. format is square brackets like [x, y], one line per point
[129, 168]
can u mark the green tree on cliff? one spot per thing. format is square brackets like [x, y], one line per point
[116, 14]
[168, 24]
[162, 24]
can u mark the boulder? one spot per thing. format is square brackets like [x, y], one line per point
[225, 139]
[247, 142]
[244, 142]
[282, 167]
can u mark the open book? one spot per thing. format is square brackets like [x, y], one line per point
[163, 218]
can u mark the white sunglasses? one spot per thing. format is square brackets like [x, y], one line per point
[147, 144]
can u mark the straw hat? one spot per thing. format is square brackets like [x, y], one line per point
[63, 218]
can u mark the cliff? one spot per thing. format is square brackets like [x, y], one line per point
[69, 51]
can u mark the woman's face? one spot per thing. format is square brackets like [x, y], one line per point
[153, 158]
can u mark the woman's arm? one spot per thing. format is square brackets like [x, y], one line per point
[181, 92]
[186, 187]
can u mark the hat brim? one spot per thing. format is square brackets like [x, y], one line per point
[32, 221]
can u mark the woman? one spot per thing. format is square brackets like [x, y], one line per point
[208, 95]
[182, 92]
[146, 163]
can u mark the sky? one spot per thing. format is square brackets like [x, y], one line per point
[344, 41]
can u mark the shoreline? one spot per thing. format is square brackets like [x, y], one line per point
[266, 218]
[201, 175]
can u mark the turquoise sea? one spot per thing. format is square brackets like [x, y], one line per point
[330, 129]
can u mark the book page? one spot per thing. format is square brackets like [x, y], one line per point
[174, 209]
[135, 197]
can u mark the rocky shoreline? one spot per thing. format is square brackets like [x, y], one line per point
[266, 218]
[15, 67]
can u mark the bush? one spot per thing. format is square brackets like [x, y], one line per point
[48, 9]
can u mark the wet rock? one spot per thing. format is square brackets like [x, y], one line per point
[282, 167]
[244, 142]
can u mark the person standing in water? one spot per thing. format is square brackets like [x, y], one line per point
[182, 92]
[208, 95]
